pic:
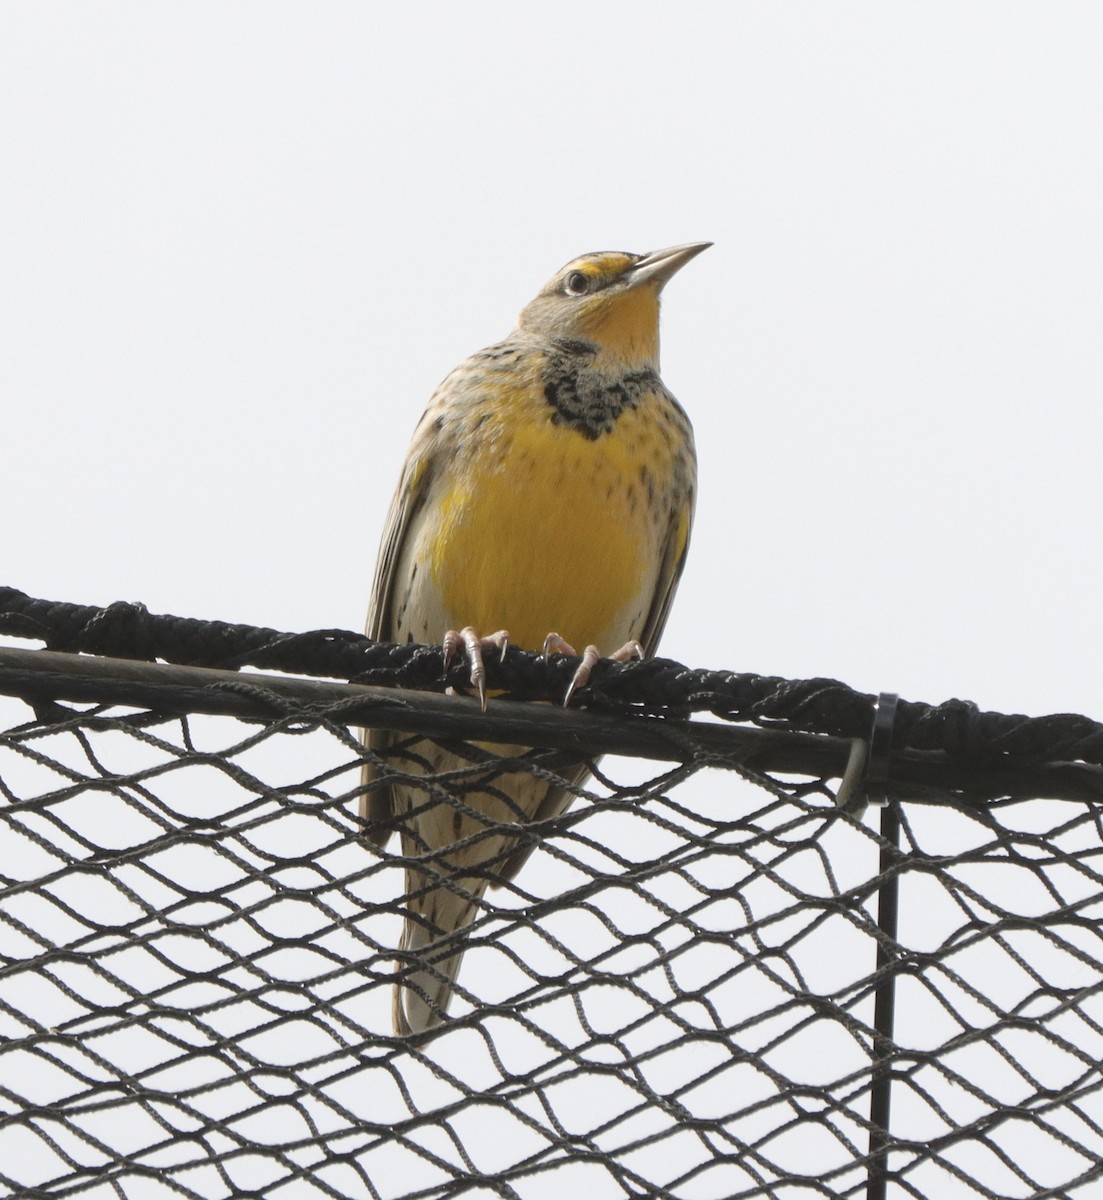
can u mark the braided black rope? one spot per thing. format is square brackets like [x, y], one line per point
[957, 728]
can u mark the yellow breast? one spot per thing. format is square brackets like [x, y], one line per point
[545, 529]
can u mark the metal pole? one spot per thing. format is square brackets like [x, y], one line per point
[884, 1009]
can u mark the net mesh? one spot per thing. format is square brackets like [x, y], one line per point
[675, 997]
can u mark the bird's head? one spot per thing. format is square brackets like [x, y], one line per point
[609, 299]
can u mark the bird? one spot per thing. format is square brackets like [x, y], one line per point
[546, 502]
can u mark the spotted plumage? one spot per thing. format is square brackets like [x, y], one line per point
[549, 486]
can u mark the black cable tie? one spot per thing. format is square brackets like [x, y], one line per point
[875, 784]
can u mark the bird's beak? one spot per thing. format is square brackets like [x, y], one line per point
[658, 266]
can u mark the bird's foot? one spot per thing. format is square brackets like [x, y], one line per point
[554, 644]
[473, 647]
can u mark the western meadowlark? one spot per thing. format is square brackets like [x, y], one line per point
[549, 485]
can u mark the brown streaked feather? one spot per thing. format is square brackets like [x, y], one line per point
[408, 501]
[670, 573]
[418, 474]
[480, 531]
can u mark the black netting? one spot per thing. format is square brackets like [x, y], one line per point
[676, 997]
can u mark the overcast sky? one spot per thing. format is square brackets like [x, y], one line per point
[241, 244]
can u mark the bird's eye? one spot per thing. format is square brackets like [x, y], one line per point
[577, 284]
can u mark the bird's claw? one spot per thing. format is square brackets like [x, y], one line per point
[554, 644]
[474, 646]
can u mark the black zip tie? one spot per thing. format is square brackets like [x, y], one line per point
[865, 779]
[880, 749]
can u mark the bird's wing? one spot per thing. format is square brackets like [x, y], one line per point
[409, 500]
[670, 571]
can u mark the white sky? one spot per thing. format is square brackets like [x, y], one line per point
[240, 245]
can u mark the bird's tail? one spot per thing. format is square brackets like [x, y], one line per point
[431, 951]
